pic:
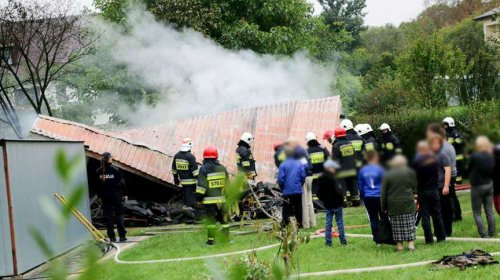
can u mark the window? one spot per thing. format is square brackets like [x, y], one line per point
[6, 53]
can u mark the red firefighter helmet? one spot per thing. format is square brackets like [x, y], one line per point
[210, 152]
[340, 132]
[328, 134]
[277, 144]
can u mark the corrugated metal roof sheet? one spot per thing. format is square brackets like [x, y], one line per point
[150, 150]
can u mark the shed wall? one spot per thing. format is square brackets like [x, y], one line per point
[34, 180]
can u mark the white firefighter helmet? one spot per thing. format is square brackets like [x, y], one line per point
[311, 136]
[385, 126]
[346, 124]
[186, 145]
[247, 137]
[449, 121]
[368, 127]
[360, 129]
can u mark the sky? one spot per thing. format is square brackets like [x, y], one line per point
[379, 12]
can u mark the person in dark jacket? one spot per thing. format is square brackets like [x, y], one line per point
[244, 157]
[113, 193]
[185, 171]
[366, 132]
[399, 186]
[332, 196]
[279, 154]
[455, 138]
[212, 181]
[426, 167]
[496, 178]
[357, 141]
[369, 184]
[317, 156]
[390, 145]
[343, 152]
[291, 178]
[480, 171]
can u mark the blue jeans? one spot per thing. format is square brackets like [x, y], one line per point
[340, 224]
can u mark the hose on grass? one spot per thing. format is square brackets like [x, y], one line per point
[171, 260]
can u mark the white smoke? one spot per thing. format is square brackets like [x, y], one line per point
[195, 76]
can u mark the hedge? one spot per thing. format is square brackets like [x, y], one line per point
[410, 124]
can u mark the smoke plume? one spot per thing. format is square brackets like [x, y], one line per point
[196, 76]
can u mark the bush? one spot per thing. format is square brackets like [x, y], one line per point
[410, 124]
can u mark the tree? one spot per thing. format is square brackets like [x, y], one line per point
[264, 26]
[481, 81]
[432, 68]
[39, 41]
[344, 14]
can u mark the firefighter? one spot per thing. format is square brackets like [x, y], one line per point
[212, 181]
[113, 193]
[279, 153]
[317, 156]
[343, 152]
[329, 136]
[357, 141]
[390, 145]
[185, 171]
[244, 157]
[366, 132]
[455, 138]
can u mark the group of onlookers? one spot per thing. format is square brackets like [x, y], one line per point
[397, 192]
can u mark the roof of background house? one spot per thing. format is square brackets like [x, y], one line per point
[488, 14]
[149, 151]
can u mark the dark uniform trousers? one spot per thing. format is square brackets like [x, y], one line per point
[189, 194]
[292, 206]
[430, 207]
[114, 205]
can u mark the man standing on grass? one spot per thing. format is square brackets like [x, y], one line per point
[427, 167]
[291, 178]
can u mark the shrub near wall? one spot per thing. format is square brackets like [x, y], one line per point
[410, 124]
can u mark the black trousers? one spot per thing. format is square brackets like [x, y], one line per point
[430, 207]
[189, 195]
[350, 184]
[292, 207]
[446, 212]
[112, 208]
[375, 214]
[455, 203]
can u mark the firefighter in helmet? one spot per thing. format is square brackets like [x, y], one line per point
[244, 157]
[279, 153]
[366, 132]
[455, 138]
[212, 182]
[317, 156]
[113, 193]
[390, 145]
[343, 152]
[185, 171]
[357, 141]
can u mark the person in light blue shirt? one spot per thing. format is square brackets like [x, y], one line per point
[369, 184]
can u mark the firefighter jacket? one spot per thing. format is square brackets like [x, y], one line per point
[370, 142]
[111, 182]
[279, 157]
[455, 138]
[185, 168]
[390, 146]
[212, 182]
[317, 156]
[245, 160]
[343, 152]
[359, 146]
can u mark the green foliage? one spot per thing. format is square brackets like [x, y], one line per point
[249, 267]
[410, 124]
[344, 15]
[431, 68]
[383, 39]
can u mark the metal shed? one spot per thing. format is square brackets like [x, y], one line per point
[27, 175]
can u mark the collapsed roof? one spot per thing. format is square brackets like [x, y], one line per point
[149, 151]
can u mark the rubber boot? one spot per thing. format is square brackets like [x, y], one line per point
[224, 236]
[211, 231]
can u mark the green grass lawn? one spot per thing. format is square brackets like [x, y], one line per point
[312, 257]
